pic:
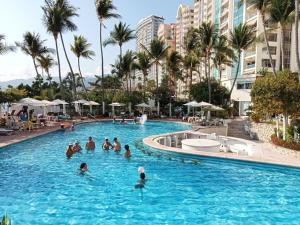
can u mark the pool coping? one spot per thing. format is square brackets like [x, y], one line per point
[150, 141]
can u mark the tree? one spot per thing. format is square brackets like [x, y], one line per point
[241, 38]
[190, 62]
[263, 7]
[277, 95]
[80, 48]
[158, 51]
[143, 64]
[4, 48]
[120, 35]
[207, 38]
[33, 46]
[297, 35]
[105, 10]
[219, 95]
[127, 64]
[46, 62]
[52, 22]
[222, 54]
[173, 63]
[280, 13]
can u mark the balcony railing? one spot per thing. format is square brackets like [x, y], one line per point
[250, 66]
[251, 15]
[250, 53]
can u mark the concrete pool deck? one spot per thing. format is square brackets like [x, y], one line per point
[262, 152]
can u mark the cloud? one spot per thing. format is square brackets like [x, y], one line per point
[107, 69]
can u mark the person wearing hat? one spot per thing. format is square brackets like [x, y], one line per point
[69, 151]
[77, 147]
[106, 144]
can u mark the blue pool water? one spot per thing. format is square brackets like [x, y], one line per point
[38, 185]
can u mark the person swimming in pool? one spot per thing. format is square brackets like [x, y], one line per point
[69, 151]
[116, 145]
[77, 147]
[141, 182]
[90, 145]
[127, 153]
[83, 168]
[106, 144]
[123, 121]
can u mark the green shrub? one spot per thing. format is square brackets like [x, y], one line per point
[5, 220]
[255, 117]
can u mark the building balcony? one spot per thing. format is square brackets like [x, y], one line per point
[249, 66]
[250, 53]
[251, 16]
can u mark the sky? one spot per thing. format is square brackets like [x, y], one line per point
[19, 16]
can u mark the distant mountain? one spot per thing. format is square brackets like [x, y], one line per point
[16, 82]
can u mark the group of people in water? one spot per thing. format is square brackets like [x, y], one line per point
[90, 146]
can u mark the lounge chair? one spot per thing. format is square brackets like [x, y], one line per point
[4, 131]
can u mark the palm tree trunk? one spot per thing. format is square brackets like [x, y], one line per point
[144, 83]
[208, 76]
[121, 53]
[236, 74]
[35, 66]
[82, 81]
[220, 73]
[49, 77]
[102, 66]
[62, 90]
[70, 66]
[267, 43]
[129, 82]
[156, 68]
[296, 35]
[281, 47]
[191, 82]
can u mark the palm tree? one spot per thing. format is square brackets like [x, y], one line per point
[105, 10]
[143, 64]
[127, 65]
[263, 7]
[207, 38]
[80, 48]
[33, 46]
[280, 13]
[173, 67]
[4, 48]
[120, 35]
[158, 51]
[222, 54]
[52, 22]
[190, 62]
[46, 62]
[296, 35]
[241, 38]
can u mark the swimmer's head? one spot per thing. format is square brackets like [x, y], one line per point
[83, 167]
[106, 139]
[90, 138]
[76, 142]
[126, 147]
[70, 144]
[115, 139]
[142, 176]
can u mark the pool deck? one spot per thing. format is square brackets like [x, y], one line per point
[263, 152]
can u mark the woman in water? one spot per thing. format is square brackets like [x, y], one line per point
[106, 144]
[142, 180]
[77, 147]
[83, 168]
[127, 153]
[90, 145]
[116, 145]
[69, 151]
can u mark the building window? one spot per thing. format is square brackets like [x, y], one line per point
[272, 37]
[266, 63]
[244, 86]
[272, 50]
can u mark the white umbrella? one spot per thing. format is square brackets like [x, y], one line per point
[214, 108]
[30, 102]
[115, 104]
[47, 104]
[81, 101]
[143, 105]
[202, 104]
[192, 103]
[62, 102]
[91, 103]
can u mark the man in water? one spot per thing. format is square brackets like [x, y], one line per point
[116, 145]
[83, 168]
[69, 151]
[106, 144]
[90, 145]
[141, 182]
[127, 153]
[77, 147]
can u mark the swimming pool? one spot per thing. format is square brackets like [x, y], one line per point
[38, 185]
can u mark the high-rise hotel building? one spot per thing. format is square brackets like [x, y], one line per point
[225, 15]
[146, 31]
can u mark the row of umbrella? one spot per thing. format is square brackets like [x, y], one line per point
[204, 106]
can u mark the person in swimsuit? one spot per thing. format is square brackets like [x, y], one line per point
[127, 153]
[106, 144]
[69, 151]
[90, 145]
[141, 182]
[77, 147]
[116, 145]
[83, 168]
